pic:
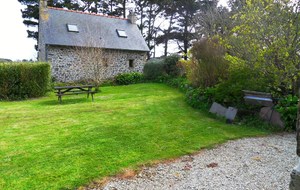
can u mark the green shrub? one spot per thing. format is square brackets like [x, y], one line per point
[287, 107]
[170, 65]
[200, 98]
[154, 69]
[129, 78]
[207, 65]
[23, 80]
[157, 69]
[240, 77]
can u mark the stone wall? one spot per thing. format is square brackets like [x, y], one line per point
[77, 64]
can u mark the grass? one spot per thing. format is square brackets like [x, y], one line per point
[44, 145]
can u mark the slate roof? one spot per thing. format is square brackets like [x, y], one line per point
[94, 31]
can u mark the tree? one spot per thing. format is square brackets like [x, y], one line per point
[147, 12]
[213, 21]
[266, 36]
[186, 10]
[170, 16]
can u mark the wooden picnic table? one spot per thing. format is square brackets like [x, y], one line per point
[71, 90]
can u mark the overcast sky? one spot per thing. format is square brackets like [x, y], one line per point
[14, 43]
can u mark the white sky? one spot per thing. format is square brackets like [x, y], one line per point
[14, 43]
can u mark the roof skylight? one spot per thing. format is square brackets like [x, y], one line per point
[122, 33]
[72, 28]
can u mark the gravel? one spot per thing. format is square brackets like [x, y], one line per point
[249, 163]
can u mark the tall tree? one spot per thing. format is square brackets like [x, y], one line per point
[148, 12]
[186, 10]
[267, 36]
[213, 21]
[167, 30]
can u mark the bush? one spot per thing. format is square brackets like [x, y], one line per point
[129, 78]
[207, 65]
[287, 107]
[154, 69]
[179, 82]
[200, 98]
[23, 80]
[157, 69]
[240, 77]
[170, 65]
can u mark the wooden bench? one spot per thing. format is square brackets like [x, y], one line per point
[71, 90]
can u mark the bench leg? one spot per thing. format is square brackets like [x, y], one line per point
[92, 96]
[59, 99]
[88, 95]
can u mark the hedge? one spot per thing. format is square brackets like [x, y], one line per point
[23, 80]
[129, 78]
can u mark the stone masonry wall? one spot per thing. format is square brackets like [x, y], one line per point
[69, 64]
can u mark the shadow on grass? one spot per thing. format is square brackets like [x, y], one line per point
[66, 101]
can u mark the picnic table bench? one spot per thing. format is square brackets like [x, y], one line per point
[71, 90]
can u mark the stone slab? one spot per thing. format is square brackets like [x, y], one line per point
[272, 116]
[218, 109]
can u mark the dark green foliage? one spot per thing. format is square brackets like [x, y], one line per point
[154, 69]
[159, 69]
[170, 65]
[23, 80]
[129, 78]
[179, 82]
[199, 97]
[287, 107]
[229, 92]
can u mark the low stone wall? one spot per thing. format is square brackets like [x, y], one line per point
[77, 64]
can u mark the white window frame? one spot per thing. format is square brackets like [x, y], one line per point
[122, 33]
[72, 28]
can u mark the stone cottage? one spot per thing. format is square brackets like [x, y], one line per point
[83, 46]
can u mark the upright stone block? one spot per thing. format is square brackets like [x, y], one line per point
[230, 114]
[295, 178]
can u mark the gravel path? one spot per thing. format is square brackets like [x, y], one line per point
[250, 163]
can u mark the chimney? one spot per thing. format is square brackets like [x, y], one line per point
[43, 19]
[43, 4]
[131, 17]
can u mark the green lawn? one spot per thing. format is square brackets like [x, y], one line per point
[44, 145]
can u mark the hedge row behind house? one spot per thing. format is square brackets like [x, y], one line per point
[23, 80]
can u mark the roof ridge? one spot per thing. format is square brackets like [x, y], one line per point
[80, 12]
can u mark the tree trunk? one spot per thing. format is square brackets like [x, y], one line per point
[167, 36]
[186, 39]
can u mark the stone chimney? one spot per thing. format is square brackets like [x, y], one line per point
[131, 17]
[44, 17]
[43, 4]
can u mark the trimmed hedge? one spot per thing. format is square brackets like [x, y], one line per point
[23, 80]
[129, 78]
[155, 69]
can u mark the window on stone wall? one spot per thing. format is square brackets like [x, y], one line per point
[131, 64]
